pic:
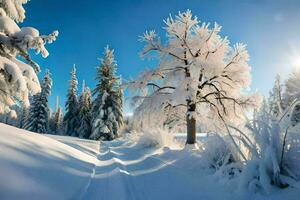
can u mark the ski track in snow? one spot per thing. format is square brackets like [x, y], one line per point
[91, 177]
[123, 171]
[110, 172]
[120, 172]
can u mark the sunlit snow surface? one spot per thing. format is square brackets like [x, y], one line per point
[34, 166]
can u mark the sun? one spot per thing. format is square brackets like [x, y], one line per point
[296, 61]
[294, 58]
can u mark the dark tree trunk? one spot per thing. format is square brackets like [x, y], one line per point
[191, 125]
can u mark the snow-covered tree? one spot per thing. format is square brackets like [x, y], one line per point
[292, 93]
[55, 123]
[18, 78]
[23, 116]
[38, 119]
[119, 102]
[107, 106]
[85, 115]
[199, 75]
[292, 87]
[71, 119]
[275, 101]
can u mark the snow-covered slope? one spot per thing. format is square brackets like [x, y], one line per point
[34, 166]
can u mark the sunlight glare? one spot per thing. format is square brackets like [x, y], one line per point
[296, 61]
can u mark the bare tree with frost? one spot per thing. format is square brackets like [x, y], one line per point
[18, 78]
[198, 75]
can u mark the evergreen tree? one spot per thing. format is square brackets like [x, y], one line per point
[275, 102]
[71, 119]
[38, 119]
[55, 124]
[119, 107]
[107, 106]
[23, 116]
[85, 106]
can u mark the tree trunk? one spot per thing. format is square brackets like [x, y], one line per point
[191, 125]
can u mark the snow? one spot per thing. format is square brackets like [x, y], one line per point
[34, 166]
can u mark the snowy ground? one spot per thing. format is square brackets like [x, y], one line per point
[34, 166]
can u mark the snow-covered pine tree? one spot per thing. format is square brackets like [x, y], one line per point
[85, 115]
[55, 123]
[199, 75]
[275, 101]
[107, 106]
[18, 79]
[292, 94]
[22, 116]
[119, 105]
[38, 119]
[71, 120]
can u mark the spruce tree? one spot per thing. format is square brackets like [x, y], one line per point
[38, 118]
[23, 116]
[55, 124]
[275, 102]
[71, 119]
[85, 106]
[107, 106]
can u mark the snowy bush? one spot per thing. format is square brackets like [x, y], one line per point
[154, 138]
[274, 151]
[218, 154]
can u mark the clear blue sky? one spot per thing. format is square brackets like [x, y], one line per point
[270, 28]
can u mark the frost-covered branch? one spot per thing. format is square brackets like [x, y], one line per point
[18, 78]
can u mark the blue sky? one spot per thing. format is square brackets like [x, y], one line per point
[270, 28]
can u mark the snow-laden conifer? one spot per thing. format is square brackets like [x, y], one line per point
[23, 116]
[275, 100]
[55, 123]
[71, 119]
[38, 119]
[85, 115]
[18, 78]
[107, 106]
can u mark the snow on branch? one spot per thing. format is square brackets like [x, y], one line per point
[18, 78]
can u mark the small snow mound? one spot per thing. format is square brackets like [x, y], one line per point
[192, 147]
[155, 138]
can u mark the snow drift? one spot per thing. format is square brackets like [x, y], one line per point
[33, 166]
